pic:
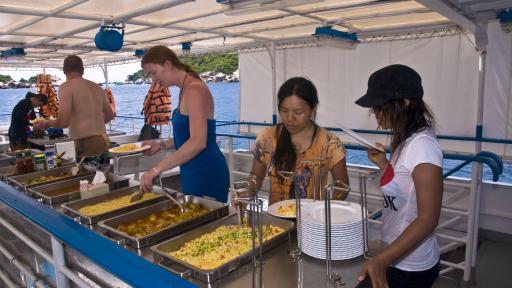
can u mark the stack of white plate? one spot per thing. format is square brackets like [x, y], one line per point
[346, 230]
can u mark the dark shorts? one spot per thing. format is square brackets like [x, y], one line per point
[407, 279]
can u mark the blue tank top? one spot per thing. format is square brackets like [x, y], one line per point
[207, 173]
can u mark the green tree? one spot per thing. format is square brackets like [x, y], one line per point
[23, 80]
[32, 80]
[5, 78]
[137, 75]
[226, 63]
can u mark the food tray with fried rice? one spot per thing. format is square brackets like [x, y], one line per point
[225, 235]
[67, 190]
[147, 226]
[92, 210]
[27, 181]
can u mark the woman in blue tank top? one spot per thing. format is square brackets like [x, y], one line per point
[203, 168]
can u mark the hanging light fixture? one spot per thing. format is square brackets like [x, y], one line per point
[328, 36]
[139, 53]
[13, 53]
[505, 17]
[110, 37]
[185, 48]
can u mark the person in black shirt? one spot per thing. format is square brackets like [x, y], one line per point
[22, 113]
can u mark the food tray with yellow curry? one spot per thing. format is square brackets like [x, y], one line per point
[92, 210]
[27, 181]
[213, 250]
[147, 226]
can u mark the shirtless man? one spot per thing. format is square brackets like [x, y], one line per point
[84, 109]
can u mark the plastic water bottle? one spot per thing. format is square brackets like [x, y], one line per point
[50, 159]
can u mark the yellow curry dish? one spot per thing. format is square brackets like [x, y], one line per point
[158, 221]
[226, 243]
[113, 204]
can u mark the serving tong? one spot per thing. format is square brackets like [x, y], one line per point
[138, 195]
[169, 193]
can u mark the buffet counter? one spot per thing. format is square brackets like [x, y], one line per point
[109, 261]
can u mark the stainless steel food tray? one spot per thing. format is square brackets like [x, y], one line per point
[7, 171]
[171, 263]
[6, 160]
[71, 208]
[10, 170]
[217, 211]
[39, 192]
[20, 181]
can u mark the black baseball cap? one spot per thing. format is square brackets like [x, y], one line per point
[392, 82]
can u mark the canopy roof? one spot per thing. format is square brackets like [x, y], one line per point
[49, 30]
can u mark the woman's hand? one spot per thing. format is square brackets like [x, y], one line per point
[155, 147]
[378, 157]
[376, 270]
[146, 181]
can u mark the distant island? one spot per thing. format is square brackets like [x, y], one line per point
[7, 82]
[216, 67]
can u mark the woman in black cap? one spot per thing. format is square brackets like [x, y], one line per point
[22, 113]
[411, 181]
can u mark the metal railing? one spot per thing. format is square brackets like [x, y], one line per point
[63, 231]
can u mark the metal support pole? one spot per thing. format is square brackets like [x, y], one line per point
[105, 72]
[274, 83]
[272, 54]
[256, 221]
[476, 175]
[328, 229]
[295, 252]
[59, 261]
[230, 159]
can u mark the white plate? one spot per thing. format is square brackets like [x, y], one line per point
[272, 209]
[334, 256]
[139, 149]
[341, 213]
[359, 139]
[321, 233]
[334, 227]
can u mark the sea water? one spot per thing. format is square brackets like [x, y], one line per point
[130, 98]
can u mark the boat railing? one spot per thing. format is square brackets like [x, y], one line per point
[69, 240]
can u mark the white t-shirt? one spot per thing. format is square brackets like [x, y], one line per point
[400, 207]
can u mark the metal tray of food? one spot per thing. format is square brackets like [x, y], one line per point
[22, 182]
[72, 208]
[217, 210]
[163, 258]
[11, 170]
[67, 190]
[8, 171]
[7, 160]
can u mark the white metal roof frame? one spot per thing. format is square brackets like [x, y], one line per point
[48, 32]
